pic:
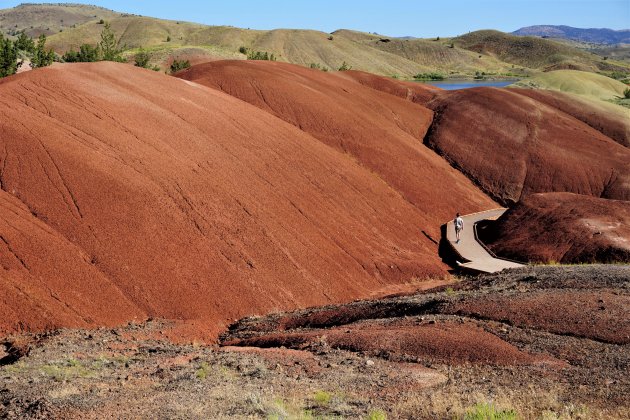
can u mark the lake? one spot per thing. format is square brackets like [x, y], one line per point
[465, 84]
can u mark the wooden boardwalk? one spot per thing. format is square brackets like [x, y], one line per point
[473, 256]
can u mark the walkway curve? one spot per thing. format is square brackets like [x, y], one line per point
[473, 256]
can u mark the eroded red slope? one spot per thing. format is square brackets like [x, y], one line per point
[598, 116]
[381, 132]
[513, 146]
[131, 194]
[564, 227]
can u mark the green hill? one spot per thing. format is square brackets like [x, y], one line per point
[36, 19]
[535, 53]
[580, 83]
[489, 52]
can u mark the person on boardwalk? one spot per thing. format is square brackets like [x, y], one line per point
[459, 226]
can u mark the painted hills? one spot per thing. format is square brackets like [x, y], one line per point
[565, 228]
[129, 194]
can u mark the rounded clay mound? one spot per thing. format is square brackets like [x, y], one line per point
[379, 131]
[129, 194]
[512, 146]
[563, 227]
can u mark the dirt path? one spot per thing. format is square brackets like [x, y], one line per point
[473, 255]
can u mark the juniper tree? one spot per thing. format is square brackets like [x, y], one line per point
[42, 58]
[8, 57]
[109, 45]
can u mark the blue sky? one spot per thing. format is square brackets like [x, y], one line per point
[422, 18]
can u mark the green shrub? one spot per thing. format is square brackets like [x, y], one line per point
[626, 93]
[260, 55]
[178, 65]
[376, 415]
[142, 59]
[345, 67]
[86, 54]
[485, 411]
[322, 398]
[203, 371]
[428, 76]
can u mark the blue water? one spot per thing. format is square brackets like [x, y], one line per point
[465, 84]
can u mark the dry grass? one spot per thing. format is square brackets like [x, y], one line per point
[531, 402]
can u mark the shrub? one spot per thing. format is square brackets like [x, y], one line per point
[260, 55]
[345, 67]
[626, 93]
[168, 38]
[101, 22]
[86, 54]
[142, 59]
[178, 65]
[377, 415]
[322, 398]
[202, 372]
[243, 50]
[428, 76]
[318, 66]
[485, 411]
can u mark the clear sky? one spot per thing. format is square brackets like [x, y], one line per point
[421, 18]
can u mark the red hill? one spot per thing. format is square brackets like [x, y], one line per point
[381, 132]
[129, 194]
[512, 146]
[564, 227]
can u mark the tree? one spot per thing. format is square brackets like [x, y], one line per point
[86, 54]
[142, 59]
[8, 57]
[25, 43]
[42, 58]
[109, 45]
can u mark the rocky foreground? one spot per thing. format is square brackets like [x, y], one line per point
[539, 342]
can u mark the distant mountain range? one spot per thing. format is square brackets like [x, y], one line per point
[598, 36]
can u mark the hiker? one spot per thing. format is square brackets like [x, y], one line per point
[459, 225]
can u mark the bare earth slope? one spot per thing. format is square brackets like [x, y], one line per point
[383, 133]
[563, 227]
[512, 145]
[49, 19]
[610, 119]
[158, 197]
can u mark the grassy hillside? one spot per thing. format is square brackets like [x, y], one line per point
[440, 55]
[489, 52]
[535, 53]
[362, 51]
[36, 19]
[581, 83]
